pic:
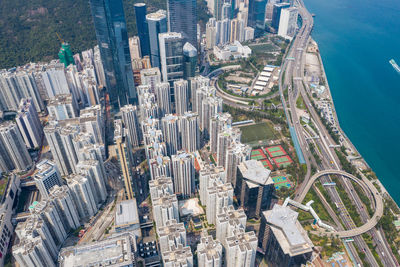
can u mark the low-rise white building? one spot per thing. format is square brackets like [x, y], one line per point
[235, 50]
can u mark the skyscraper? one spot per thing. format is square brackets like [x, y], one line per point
[170, 133]
[182, 18]
[183, 170]
[189, 61]
[112, 37]
[181, 96]
[171, 56]
[29, 124]
[131, 123]
[276, 14]
[190, 133]
[163, 95]
[288, 22]
[142, 29]
[157, 23]
[47, 177]
[256, 15]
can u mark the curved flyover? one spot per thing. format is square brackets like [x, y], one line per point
[371, 223]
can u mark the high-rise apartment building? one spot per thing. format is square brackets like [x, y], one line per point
[218, 122]
[229, 220]
[83, 195]
[165, 208]
[190, 133]
[131, 123]
[209, 252]
[112, 37]
[181, 96]
[157, 23]
[182, 18]
[235, 154]
[29, 124]
[171, 234]
[241, 249]
[178, 256]
[47, 177]
[163, 95]
[171, 134]
[160, 185]
[183, 173]
[142, 28]
[219, 195]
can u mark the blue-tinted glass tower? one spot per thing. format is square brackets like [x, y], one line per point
[157, 23]
[182, 18]
[142, 29]
[257, 14]
[112, 37]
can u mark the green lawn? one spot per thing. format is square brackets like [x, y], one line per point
[257, 132]
[262, 48]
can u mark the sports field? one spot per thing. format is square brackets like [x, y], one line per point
[282, 161]
[281, 181]
[258, 154]
[257, 132]
[267, 164]
[275, 151]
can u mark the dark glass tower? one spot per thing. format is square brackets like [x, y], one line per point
[157, 23]
[142, 29]
[112, 37]
[257, 15]
[276, 14]
[182, 18]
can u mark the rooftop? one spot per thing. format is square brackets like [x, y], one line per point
[254, 172]
[126, 213]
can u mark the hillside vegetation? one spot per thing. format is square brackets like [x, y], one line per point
[28, 27]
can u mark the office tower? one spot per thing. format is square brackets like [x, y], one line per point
[218, 122]
[172, 234]
[248, 33]
[161, 185]
[241, 249]
[182, 18]
[131, 123]
[134, 48]
[124, 156]
[209, 107]
[225, 138]
[163, 95]
[226, 11]
[209, 252]
[254, 187]
[47, 177]
[171, 134]
[29, 124]
[190, 133]
[282, 239]
[276, 14]
[229, 220]
[142, 28]
[235, 154]
[94, 171]
[288, 22]
[189, 61]
[218, 195]
[83, 195]
[32, 252]
[171, 56]
[112, 37]
[183, 173]
[117, 250]
[211, 33]
[256, 13]
[159, 166]
[62, 107]
[178, 256]
[181, 96]
[207, 175]
[65, 55]
[54, 80]
[13, 144]
[157, 23]
[165, 208]
[150, 77]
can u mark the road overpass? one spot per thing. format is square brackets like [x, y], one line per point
[364, 183]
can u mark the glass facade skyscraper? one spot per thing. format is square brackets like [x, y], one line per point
[276, 14]
[112, 37]
[171, 56]
[182, 18]
[256, 18]
[142, 29]
[157, 23]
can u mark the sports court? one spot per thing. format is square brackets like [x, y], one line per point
[282, 161]
[275, 151]
[258, 154]
[267, 164]
[281, 181]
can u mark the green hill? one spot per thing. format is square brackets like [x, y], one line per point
[28, 27]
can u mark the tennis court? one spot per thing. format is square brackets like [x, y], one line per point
[275, 151]
[281, 181]
[258, 154]
[267, 164]
[282, 161]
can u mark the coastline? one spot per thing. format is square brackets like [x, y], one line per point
[342, 133]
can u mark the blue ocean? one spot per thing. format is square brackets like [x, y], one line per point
[357, 38]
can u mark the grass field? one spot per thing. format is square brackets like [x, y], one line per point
[257, 132]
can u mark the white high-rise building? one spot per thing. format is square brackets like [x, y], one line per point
[207, 175]
[160, 166]
[165, 207]
[200, 89]
[163, 95]
[13, 147]
[181, 96]
[160, 185]
[218, 122]
[190, 133]
[178, 256]
[47, 177]
[226, 137]
[55, 80]
[83, 195]
[235, 154]
[241, 249]
[171, 134]
[93, 170]
[131, 123]
[209, 252]
[33, 252]
[183, 173]
[248, 33]
[209, 107]
[98, 65]
[219, 195]
[150, 77]
[172, 234]
[211, 33]
[29, 124]
[134, 48]
[227, 221]
[288, 22]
